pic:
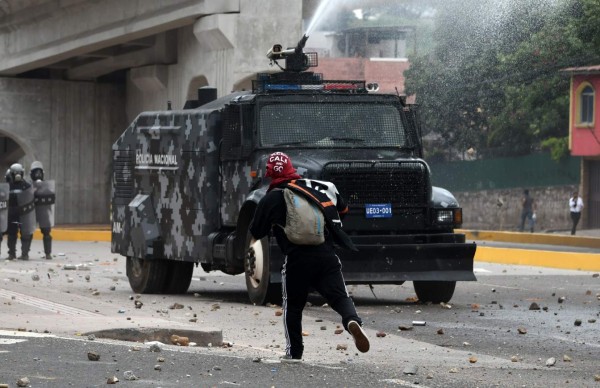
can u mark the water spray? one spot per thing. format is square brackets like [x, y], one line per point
[295, 58]
[323, 9]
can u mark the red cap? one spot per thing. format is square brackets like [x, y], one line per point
[279, 165]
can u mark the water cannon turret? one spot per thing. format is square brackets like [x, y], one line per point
[301, 43]
[296, 60]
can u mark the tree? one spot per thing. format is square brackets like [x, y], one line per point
[493, 80]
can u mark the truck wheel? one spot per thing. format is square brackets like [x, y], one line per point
[257, 268]
[147, 276]
[179, 277]
[434, 292]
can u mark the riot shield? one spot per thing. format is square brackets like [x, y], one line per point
[4, 189]
[44, 202]
[26, 204]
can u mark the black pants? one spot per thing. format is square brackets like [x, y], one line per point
[575, 216]
[47, 240]
[299, 275]
[13, 229]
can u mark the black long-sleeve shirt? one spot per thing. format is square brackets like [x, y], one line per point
[271, 212]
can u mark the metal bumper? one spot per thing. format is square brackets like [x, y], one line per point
[396, 259]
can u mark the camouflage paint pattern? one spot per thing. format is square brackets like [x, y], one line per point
[44, 199]
[4, 189]
[172, 158]
[235, 189]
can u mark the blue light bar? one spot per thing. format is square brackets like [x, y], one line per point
[282, 87]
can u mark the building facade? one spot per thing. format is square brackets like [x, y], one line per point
[584, 137]
[74, 74]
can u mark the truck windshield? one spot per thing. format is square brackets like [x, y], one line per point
[326, 124]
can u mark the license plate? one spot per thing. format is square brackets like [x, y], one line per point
[378, 210]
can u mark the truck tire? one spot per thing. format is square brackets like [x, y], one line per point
[179, 277]
[147, 276]
[258, 273]
[434, 292]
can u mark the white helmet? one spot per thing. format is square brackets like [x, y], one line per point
[36, 164]
[36, 172]
[16, 172]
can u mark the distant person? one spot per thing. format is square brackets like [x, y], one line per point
[2, 230]
[20, 216]
[575, 206]
[527, 211]
[44, 204]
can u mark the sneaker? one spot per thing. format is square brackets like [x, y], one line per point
[11, 257]
[48, 256]
[24, 257]
[287, 359]
[360, 338]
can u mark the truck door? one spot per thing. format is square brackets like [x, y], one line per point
[235, 162]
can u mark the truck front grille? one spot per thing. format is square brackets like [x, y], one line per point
[123, 164]
[402, 183]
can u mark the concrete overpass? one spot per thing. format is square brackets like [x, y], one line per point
[74, 73]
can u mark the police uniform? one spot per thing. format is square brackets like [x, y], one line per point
[305, 267]
[44, 205]
[4, 212]
[16, 214]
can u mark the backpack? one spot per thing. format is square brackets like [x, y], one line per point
[305, 222]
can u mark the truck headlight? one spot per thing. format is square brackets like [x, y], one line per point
[449, 216]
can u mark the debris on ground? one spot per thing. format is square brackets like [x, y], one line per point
[180, 341]
[23, 382]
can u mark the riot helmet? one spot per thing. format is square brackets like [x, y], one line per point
[7, 176]
[36, 172]
[17, 172]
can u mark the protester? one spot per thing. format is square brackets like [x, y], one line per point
[306, 266]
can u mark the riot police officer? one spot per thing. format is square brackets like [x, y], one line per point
[4, 190]
[44, 204]
[21, 215]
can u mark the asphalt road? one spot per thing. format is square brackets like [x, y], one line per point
[477, 342]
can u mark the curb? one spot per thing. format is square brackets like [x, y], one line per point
[537, 258]
[76, 235]
[104, 234]
[532, 238]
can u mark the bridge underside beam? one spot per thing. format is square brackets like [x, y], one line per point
[88, 27]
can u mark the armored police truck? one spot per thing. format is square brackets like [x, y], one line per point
[185, 185]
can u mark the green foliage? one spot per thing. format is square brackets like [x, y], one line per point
[559, 147]
[493, 79]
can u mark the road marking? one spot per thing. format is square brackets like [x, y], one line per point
[10, 341]
[481, 270]
[44, 304]
[16, 333]
[17, 271]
